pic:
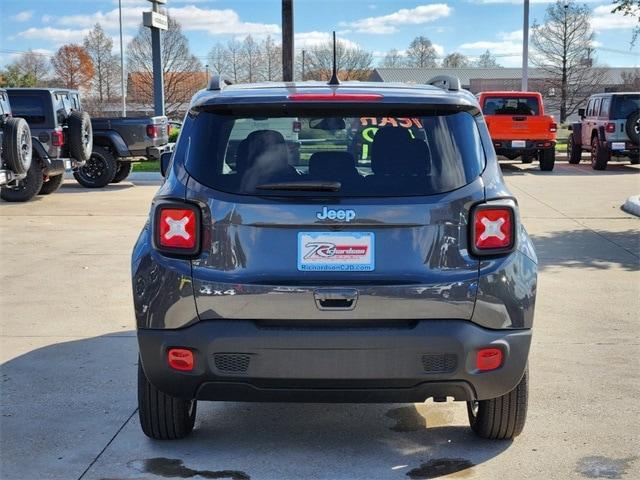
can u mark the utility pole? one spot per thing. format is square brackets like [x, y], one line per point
[287, 40]
[563, 99]
[303, 73]
[156, 21]
[123, 86]
[525, 48]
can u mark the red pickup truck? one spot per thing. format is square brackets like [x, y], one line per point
[519, 127]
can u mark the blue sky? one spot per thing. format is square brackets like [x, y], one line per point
[468, 26]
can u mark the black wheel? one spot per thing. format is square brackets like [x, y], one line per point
[574, 152]
[163, 417]
[98, 171]
[123, 171]
[27, 188]
[527, 158]
[635, 160]
[501, 418]
[16, 145]
[547, 159]
[80, 135]
[600, 154]
[52, 185]
[632, 127]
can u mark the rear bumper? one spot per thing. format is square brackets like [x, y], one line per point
[505, 147]
[239, 360]
[623, 148]
[155, 151]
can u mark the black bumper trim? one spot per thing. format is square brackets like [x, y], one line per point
[337, 365]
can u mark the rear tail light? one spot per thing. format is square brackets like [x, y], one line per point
[610, 127]
[152, 131]
[180, 359]
[553, 128]
[57, 138]
[488, 359]
[177, 229]
[492, 229]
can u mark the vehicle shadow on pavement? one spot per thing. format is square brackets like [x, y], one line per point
[72, 405]
[585, 248]
[566, 169]
[73, 187]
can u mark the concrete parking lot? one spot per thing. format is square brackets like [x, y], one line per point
[68, 353]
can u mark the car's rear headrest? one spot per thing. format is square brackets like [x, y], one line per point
[332, 164]
[388, 144]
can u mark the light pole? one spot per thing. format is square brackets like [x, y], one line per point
[525, 48]
[156, 21]
[287, 40]
[122, 84]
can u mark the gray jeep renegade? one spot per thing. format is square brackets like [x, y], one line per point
[322, 243]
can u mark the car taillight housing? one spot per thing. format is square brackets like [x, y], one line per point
[493, 229]
[176, 229]
[553, 128]
[57, 138]
[610, 127]
[152, 131]
[181, 359]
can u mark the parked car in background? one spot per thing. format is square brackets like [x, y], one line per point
[609, 127]
[119, 141]
[395, 274]
[519, 127]
[61, 137]
[15, 145]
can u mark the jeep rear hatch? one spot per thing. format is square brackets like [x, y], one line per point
[334, 213]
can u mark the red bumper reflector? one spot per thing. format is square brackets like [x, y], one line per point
[488, 359]
[335, 97]
[180, 359]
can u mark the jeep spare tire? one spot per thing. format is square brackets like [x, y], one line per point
[16, 145]
[633, 127]
[80, 136]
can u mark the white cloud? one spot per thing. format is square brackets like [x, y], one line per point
[386, 24]
[312, 39]
[22, 16]
[56, 36]
[131, 18]
[219, 22]
[507, 43]
[603, 19]
[46, 18]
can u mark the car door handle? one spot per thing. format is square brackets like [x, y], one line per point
[336, 298]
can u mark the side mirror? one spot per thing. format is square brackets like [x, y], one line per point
[581, 112]
[165, 160]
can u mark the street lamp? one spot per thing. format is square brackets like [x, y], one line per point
[525, 48]
[122, 84]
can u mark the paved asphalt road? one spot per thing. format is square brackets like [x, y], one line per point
[68, 356]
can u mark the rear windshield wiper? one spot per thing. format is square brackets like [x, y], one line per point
[305, 186]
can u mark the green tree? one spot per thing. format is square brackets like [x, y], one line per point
[13, 76]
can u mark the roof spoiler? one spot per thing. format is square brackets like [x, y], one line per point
[218, 82]
[446, 82]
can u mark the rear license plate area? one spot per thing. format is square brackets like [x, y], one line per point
[518, 144]
[336, 251]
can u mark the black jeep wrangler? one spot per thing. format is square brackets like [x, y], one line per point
[15, 144]
[62, 139]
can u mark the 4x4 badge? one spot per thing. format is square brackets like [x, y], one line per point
[331, 214]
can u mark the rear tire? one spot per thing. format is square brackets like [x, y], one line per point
[163, 417]
[574, 152]
[600, 154]
[123, 170]
[16, 145]
[99, 170]
[501, 418]
[547, 159]
[632, 127]
[53, 185]
[27, 188]
[80, 133]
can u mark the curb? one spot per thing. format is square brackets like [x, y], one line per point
[632, 205]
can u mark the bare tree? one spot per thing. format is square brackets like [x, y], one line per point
[562, 48]
[353, 63]
[183, 72]
[251, 60]
[631, 80]
[272, 59]
[629, 8]
[218, 59]
[393, 59]
[486, 60]
[455, 60]
[34, 65]
[99, 46]
[234, 58]
[421, 53]
[73, 66]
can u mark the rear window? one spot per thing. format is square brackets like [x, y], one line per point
[511, 106]
[624, 105]
[336, 155]
[30, 107]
